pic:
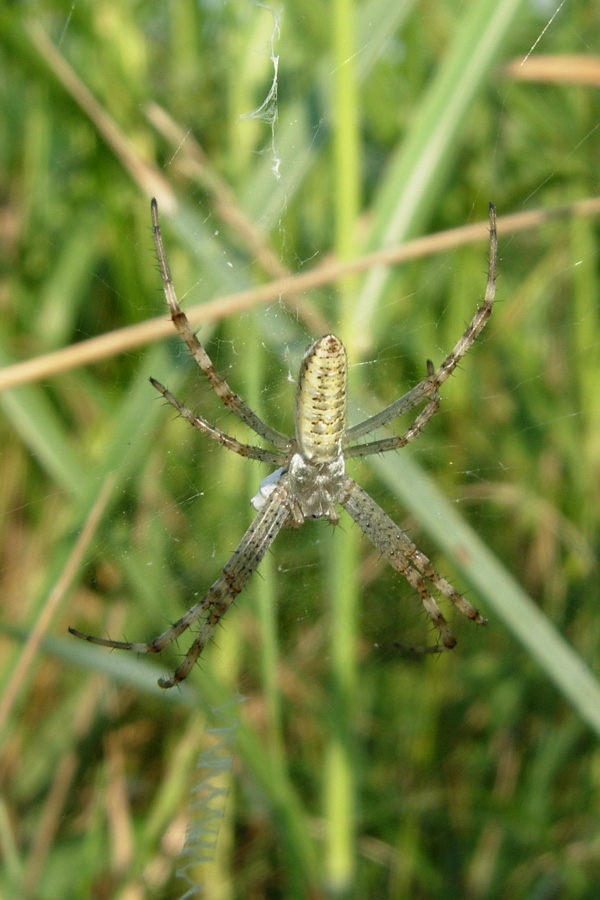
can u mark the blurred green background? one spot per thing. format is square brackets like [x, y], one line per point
[328, 764]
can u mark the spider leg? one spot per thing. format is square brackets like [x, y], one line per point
[479, 320]
[406, 559]
[394, 443]
[243, 563]
[408, 401]
[270, 457]
[433, 381]
[231, 400]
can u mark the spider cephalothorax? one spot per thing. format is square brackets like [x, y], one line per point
[310, 479]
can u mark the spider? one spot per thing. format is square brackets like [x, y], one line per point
[310, 480]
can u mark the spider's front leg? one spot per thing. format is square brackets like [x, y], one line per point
[406, 559]
[211, 608]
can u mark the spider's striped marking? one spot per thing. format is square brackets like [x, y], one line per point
[310, 479]
[321, 400]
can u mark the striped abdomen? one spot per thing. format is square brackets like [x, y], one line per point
[321, 400]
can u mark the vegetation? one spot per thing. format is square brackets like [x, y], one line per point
[310, 757]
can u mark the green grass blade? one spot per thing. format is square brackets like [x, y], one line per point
[494, 584]
[411, 188]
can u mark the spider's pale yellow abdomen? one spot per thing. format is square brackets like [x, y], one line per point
[310, 480]
[321, 400]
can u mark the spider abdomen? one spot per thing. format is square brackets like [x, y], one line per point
[321, 400]
[310, 480]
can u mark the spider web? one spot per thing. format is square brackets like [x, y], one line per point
[530, 402]
[471, 484]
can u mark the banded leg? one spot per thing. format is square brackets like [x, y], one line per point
[395, 443]
[271, 457]
[231, 400]
[210, 609]
[425, 388]
[406, 559]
